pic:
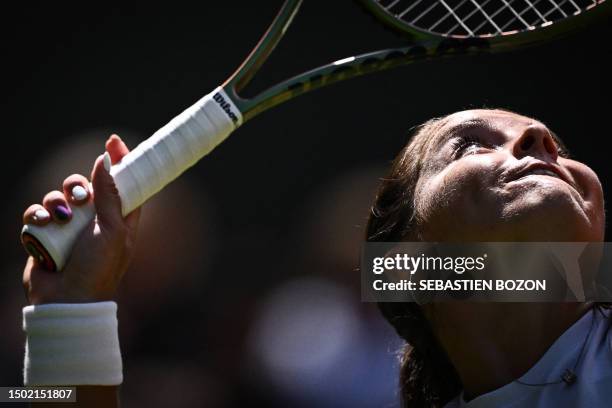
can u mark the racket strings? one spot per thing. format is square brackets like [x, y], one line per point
[475, 18]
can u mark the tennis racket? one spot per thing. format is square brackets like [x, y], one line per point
[432, 29]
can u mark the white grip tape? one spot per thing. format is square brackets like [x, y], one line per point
[151, 166]
[72, 344]
[58, 239]
[174, 148]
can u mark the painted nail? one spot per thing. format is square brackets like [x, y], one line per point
[107, 161]
[79, 193]
[62, 213]
[41, 215]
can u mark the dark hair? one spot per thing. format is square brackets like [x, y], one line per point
[427, 376]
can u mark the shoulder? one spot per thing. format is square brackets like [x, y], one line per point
[605, 314]
[598, 358]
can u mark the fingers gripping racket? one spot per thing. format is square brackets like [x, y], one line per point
[432, 29]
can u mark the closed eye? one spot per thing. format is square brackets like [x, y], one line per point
[466, 144]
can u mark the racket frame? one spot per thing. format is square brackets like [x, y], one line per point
[421, 45]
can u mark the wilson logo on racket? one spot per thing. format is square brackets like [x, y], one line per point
[225, 105]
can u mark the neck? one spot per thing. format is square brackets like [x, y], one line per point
[492, 344]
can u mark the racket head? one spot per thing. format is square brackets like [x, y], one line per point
[493, 20]
[424, 43]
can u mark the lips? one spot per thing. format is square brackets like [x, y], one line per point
[537, 169]
[540, 172]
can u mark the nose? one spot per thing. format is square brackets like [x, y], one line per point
[536, 141]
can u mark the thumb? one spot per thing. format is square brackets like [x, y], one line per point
[106, 197]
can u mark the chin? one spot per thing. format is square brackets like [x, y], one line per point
[550, 214]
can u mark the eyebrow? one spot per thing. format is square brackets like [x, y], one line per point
[461, 127]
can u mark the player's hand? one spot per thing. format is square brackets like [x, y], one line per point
[102, 252]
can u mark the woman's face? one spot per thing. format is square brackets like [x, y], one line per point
[497, 176]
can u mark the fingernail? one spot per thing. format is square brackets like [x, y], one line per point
[41, 215]
[62, 213]
[107, 161]
[79, 193]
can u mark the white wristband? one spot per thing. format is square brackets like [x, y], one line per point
[72, 344]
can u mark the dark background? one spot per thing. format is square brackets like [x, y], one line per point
[244, 289]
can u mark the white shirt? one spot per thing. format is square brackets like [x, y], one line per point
[593, 385]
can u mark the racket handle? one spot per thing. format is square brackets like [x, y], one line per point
[143, 172]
